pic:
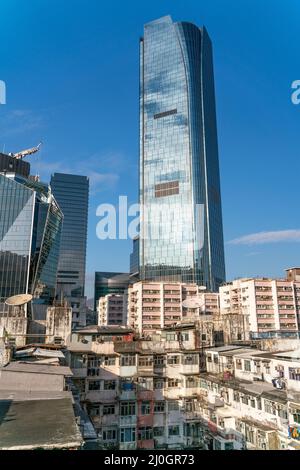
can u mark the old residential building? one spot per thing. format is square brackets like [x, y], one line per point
[268, 305]
[250, 399]
[156, 305]
[139, 393]
[112, 310]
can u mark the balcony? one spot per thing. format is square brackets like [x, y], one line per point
[145, 394]
[127, 420]
[127, 445]
[146, 444]
[79, 372]
[126, 347]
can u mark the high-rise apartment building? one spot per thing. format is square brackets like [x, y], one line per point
[270, 306]
[112, 310]
[72, 195]
[156, 305]
[181, 218]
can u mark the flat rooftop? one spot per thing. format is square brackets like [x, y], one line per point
[37, 368]
[38, 424]
[109, 330]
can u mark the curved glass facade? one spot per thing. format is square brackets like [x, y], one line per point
[181, 219]
[30, 229]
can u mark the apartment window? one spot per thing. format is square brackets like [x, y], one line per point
[158, 384]
[238, 364]
[208, 356]
[127, 434]
[94, 362]
[270, 407]
[189, 406]
[108, 409]
[174, 359]
[173, 405]
[127, 383]
[165, 113]
[236, 396]
[167, 189]
[170, 336]
[109, 361]
[158, 431]
[228, 446]
[159, 407]
[258, 402]
[173, 431]
[247, 366]
[216, 359]
[94, 410]
[145, 383]
[296, 416]
[191, 382]
[203, 337]
[145, 433]
[245, 399]
[294, 373]
[252, 402]
[145, 361]
[94, 385]
[109, 384]
[184, 336]
[93, 372]
[190, 359]
[159, 360]
[173, 383]
[128, 360]
[109, 435]
[145, 408]
[282, 413]
[127, 408]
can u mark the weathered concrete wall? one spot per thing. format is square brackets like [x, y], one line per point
[58, 323]
[15, 326]
[13, 380]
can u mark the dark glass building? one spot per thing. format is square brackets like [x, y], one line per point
[72, 195]
[134, 258]
[110, 283]
[181, 218]
[30, 230]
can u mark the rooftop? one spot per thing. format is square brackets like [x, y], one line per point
[38, 424]
[109, 330]
[223, 348]
[37, 368]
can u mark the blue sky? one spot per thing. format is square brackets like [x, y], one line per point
[71, 70]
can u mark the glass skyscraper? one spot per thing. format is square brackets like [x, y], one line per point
[72, 195]
[181, 217]
[30, 230]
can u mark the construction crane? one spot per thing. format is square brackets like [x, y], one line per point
[24, 153]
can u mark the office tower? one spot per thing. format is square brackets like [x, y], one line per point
[110, 283]
[72, 194]
[181, 220]
[30, 229]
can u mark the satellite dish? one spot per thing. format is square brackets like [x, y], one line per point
[193, 302]
[18, 300]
